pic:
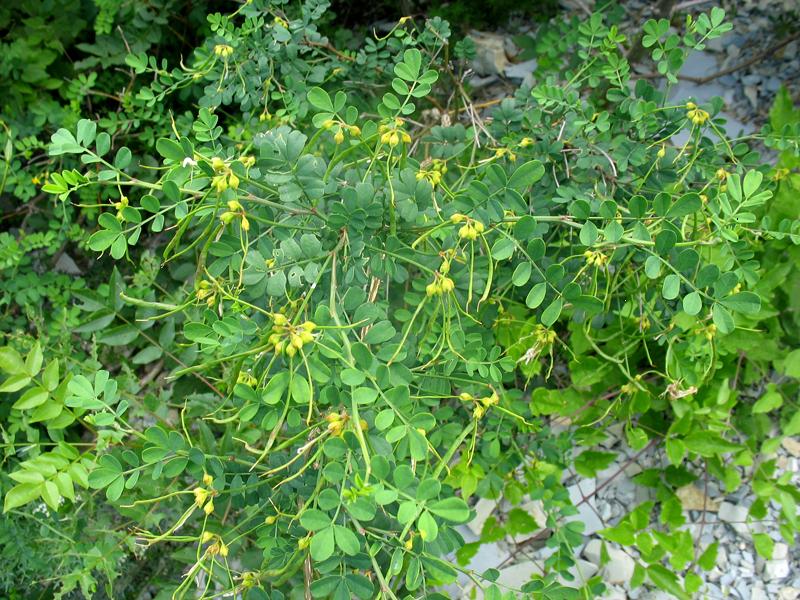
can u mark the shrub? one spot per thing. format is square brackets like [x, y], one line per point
[337, 311]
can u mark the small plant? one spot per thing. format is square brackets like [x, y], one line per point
[333, 320]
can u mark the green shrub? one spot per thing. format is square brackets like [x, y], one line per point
[335, 312]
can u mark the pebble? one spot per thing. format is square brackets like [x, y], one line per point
[776, 569]
[620, 566]
[792, 446]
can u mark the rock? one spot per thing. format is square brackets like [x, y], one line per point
[522, 71]
[751, 79]
[791, 445]
[614, 593]
[582, 496]
[693, 498]
[592, 551]
[776, 569]
[519, 574]
[619, 568]
[789, 593]
[490, 53]
[700, 65]
[582, 572]
[732, 513]
[780, 551]
[65, 264]
[483, 509]
[772, 84]
[751, 93]
[758, 593]
[534, 509]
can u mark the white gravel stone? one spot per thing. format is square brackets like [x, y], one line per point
[483, 509]
[619, 568]
[592, 551]
[776, 569]
[792, 446]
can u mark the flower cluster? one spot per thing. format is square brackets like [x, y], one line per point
[433, 172]
[205, 291]
[290, 338]
[393, 134]
[225, 177]
[235, 210]
[471, 228]
[481, 404]
[341, 127]
[204, 496]
[696, 115]
[337, 421]
[223, 50]
[218, 547]
[440, 285]
[596, 258]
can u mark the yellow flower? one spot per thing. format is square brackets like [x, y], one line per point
[223, 50]
[696, 115]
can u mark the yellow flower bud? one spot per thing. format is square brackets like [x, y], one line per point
[465, 397]
[309, 326]
[245, 224]
[209, 507]
[457, 218]
[338, 137]
[394, 139]
[220, 183]
[270, 520]
[291, 350]
[217, 163]
[200, 496]
[234, 205]
[306, 337]
[208, 480]
[223, 549]
[206, 537]
[233, 181]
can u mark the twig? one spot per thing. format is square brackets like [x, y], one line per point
[734, 68]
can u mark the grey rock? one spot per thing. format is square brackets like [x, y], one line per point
[772, 84]
[751, 93]
[65, 264]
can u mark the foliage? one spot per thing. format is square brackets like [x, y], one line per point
[325, 317]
